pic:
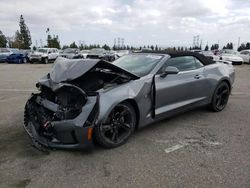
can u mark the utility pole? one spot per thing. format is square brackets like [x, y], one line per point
[41, 43]
[238, 42]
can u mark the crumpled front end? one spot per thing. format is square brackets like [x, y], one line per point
[67, 108]
[61, 118]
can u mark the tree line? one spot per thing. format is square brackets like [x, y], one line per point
[22, 40]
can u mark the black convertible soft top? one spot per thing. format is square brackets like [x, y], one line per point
[204, 60]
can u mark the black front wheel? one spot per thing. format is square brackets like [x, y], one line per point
[45, 60]
[220, 97]
[118, 127]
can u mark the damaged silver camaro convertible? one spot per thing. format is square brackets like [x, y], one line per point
[85, 101]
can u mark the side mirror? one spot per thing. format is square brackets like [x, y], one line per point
[169, 70]
[49, 52]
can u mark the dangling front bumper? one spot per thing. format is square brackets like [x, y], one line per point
[64, 134]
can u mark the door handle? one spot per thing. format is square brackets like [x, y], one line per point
[197, 76]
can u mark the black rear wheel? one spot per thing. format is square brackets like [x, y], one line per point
[220, 97]
[118, 128]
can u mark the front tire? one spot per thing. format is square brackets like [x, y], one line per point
[45, 60]
[220, 97]
[118, 127]
[25, 60]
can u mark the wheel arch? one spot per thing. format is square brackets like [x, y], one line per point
[136, 108]
[226, 81]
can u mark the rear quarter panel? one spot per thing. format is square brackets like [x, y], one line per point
[216, 73]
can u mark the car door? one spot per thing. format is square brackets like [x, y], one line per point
[50, 54]
[53, 54]
[178, 91]
[56, 53]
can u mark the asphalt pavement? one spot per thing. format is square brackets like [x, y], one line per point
[195, 149]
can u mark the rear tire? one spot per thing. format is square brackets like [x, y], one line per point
[118, 127]
[220, 97]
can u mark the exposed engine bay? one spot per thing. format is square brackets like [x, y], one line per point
[70, 99]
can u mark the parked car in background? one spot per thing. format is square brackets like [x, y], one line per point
[44, 55]
[18, 57]
[5, 52]
[84, 53]
[121, 53]
[245, 55]
[210, 55]
[71, 53]
[231, 55]
[100, 53]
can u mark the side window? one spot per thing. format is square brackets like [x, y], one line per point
[53, 50]
[184, 63]
[198, 63]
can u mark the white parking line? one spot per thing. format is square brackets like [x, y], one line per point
[240, 93]
[192, 141]
[18, 90]
[175, 147]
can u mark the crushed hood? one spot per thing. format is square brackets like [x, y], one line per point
[65, 70]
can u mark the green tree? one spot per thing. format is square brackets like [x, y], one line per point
[214, 47]
[25, 37]
[206, 48]
[17, 43]
[3, 40]
[73, 45]
[241, 47]
[106, 47]
[53, 42]
[248, 46]
[228, 46]
[114, 47]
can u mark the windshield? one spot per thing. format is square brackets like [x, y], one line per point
[138, 64]
[15, 51]
[70, 50]
[42, 50]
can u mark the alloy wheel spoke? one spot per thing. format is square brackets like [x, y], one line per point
[115, 136]
[126, 126]
[124, 112]
[106, 127]
[224, 92]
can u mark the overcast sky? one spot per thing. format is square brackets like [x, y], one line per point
[162, 22]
